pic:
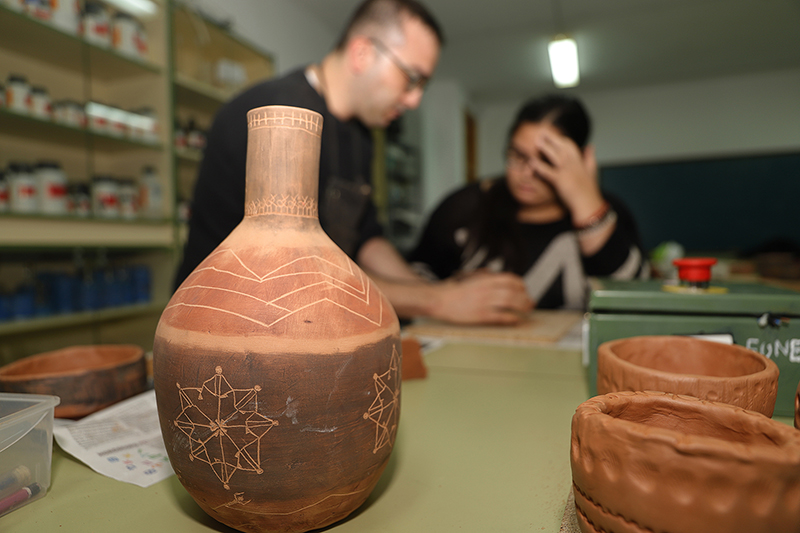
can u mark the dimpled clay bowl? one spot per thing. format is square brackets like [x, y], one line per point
[86, 378]
[659, 462]
[685, 365]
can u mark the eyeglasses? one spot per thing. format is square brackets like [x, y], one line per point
[415, 79]
[516, 159]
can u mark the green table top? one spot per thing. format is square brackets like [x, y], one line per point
[483, 445]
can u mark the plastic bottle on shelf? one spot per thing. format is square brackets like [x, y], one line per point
[141, 279]
[41, 105]
[22, 188]
[3, 193]
[18, 93]
[147, 129]
[98, 117]
[96, 23]
[150, 195]
[105, 197]
[141, 40]
[63, 290]
[69, 113]
[80, 199]
[127, 198]
[195, 137]
[51, 184]
[124, 34]
[66, 15]
[23, 300]
[40, 9]
[179, 134]
[15, 5]
[117, 122]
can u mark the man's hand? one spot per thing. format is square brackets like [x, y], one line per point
[477, 298]
[481, 298]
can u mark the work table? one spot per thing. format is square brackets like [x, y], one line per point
[483, 445]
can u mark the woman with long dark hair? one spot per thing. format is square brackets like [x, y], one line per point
[545, 220]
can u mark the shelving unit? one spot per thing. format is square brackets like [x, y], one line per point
[404, 192]
[202, 50]
[397, 182]
[71, 68]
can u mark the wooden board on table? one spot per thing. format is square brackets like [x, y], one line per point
[540, 327]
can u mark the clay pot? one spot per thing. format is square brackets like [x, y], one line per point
[653, 461]
[86, 378]
[685, 365]
[277, 363]
[797, 408]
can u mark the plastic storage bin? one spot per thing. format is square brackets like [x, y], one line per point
[26, 448]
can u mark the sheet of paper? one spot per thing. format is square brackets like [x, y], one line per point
[122, 441]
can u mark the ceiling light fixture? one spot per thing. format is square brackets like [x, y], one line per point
[563, 52]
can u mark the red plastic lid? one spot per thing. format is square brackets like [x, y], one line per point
[694, 269]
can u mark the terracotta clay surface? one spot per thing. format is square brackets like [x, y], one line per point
[277, 363]
[797, 408]
[413, 362]
[86, 378]
[653, 461]
[685, 365]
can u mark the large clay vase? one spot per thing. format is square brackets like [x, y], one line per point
[686, 365]
[652, 461]
[277, 362]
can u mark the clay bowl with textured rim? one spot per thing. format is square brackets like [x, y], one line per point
[686, 365]
[653, 461]
[86, 378]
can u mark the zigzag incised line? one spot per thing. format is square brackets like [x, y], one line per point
[359, 291]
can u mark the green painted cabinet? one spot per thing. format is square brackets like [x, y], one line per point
[760, 317]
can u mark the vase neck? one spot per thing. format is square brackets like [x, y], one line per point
[283, 145]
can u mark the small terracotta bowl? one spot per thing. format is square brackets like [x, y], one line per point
[685, 365]
[653, 461]
[86, 378]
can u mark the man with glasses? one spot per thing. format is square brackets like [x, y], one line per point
[377, 71]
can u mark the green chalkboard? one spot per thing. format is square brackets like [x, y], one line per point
[733, 204]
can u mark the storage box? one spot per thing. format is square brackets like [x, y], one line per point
[760, 317]
[26, 448]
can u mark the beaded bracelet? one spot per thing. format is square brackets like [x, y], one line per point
[596, 217]
[607, 219]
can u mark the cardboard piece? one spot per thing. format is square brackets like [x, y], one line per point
[539, 327]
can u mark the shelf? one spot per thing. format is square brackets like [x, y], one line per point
[195, 93]
[408, 216]
[189, 155]
[31, 232]
[33, 325]
[39, 40]
[39, 129]
[71, 68]
[200, 46]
